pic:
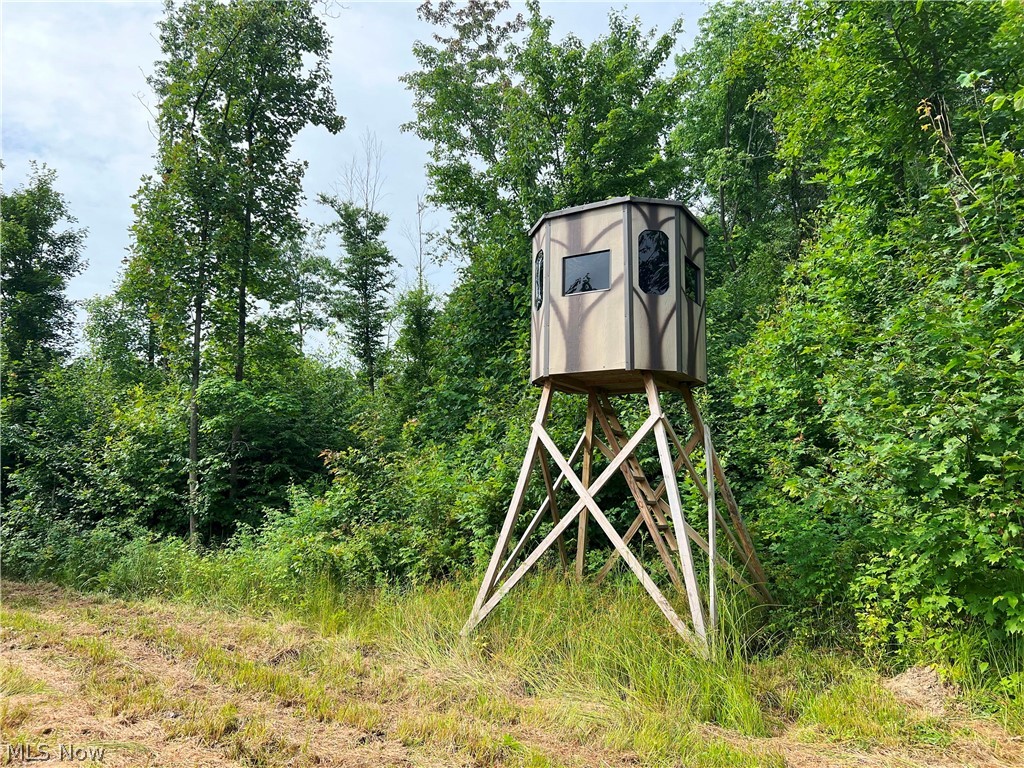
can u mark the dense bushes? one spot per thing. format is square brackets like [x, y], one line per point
[881, 406]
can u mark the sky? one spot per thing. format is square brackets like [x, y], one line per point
[73, 94]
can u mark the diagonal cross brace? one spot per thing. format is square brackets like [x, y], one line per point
[537, 517]
[487, 604]
[616, 540]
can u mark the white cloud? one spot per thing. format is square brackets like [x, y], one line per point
[71, 73]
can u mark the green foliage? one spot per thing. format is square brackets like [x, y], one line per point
[65, 552]
[365, 278]
[415, 347]
[881, 400]
[37, 261]
[308, 286]
[756, 207]
[860, 175]
[236, 83]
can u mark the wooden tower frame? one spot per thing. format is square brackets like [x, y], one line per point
[660, 509]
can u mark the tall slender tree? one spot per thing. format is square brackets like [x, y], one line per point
[37, 258]
[366, 270]
[366, 266]
[236, 83]
[417, 310]
[309, 286]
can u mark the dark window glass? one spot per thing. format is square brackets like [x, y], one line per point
[652, 250]
[692, 284]
[538, 279]
[586, 272]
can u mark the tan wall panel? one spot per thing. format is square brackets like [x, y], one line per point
[655, 320]
[587, 330]
[694, 345]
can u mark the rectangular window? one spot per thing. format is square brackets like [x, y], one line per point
[586, 272]
[692, 285]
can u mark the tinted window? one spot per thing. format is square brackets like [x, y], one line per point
[586, 272]
[692, 284]
[652, 250]
[538, 279]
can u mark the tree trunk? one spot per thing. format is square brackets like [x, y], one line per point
[193, 419]
[243, 282]
[722, 217]
[150, 341]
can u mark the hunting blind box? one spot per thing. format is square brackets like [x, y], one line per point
[618, 307]
[618, 288]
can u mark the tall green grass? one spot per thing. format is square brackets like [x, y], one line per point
[595, 664]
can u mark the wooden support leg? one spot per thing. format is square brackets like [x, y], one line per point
[712, 544]
[501, 546]
[675, 505]
[588, 466]
[670, 540]
[748, 553]
[662, 508]
[684, 457]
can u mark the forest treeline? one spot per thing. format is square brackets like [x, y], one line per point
[859, 167]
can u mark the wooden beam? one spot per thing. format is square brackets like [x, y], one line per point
[603, 447]
[712, 545]
[478, 615]
[679, 462]
[663, 510]
[501, 546]
[549, 486]
[684, 458]
[588, 466]
[678, 522]
[537, 517]
[692, 471]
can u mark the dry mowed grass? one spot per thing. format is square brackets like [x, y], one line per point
[158, 684]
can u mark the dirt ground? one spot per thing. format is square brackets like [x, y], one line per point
[149, 684]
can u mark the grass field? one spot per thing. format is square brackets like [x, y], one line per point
[383, 680]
